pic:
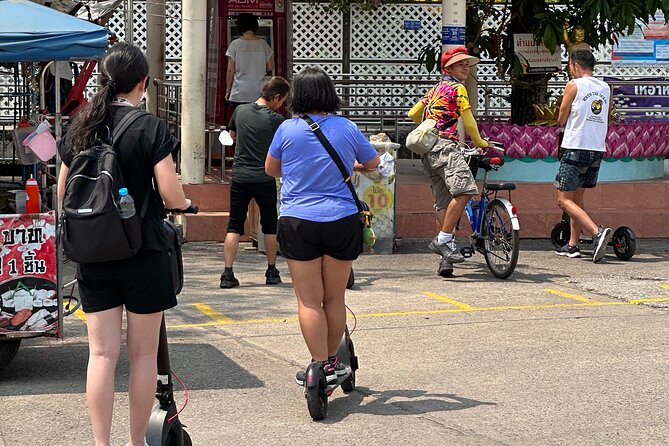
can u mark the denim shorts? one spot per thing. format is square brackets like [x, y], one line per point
[578, 168]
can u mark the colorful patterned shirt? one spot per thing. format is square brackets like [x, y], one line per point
[444, 103]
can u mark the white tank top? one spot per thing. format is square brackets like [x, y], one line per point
[588, 120]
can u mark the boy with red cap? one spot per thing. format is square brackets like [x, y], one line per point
[452, 181]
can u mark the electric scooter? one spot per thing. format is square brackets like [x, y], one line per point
[315, 384]
[623, 240]
[165, 428]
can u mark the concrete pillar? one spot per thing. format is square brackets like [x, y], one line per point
[130, 21]
[453, 22]
[194, 65]
[155, 49]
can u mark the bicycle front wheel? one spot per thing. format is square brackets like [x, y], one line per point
[501, 241]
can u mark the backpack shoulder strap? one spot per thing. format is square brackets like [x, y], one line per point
[119, 129]
[124, 123]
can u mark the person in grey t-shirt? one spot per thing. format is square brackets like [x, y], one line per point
[249, 61]
[253, 126]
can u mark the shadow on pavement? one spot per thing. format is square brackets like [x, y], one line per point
[61, 369]
[396, 402]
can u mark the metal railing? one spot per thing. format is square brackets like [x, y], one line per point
[380, 103]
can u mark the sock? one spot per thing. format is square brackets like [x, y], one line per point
[444, 237]
[228, 270]
[332, 359]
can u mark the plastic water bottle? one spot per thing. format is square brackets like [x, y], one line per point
[126, 204]
[132, 225]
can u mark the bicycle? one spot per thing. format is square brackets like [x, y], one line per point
[493, 219]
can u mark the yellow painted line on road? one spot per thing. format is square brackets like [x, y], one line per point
[81, 315]
[569, 295]
[590, 303]
[666, 287]
[217, 317]
[448, 300]
[650, 299]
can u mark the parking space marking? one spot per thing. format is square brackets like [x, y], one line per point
[213, 314]
[650, 299]
[448, 300]
[80, 314]
[590, 303]
[569, 295]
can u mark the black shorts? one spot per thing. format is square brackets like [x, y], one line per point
[265, 196]
[308, 240]
[142, 283]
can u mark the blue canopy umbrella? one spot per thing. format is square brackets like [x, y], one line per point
[30, 32]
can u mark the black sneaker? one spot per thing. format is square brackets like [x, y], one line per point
[569, 251]
[272, 276]
[334, 369]
[229, 280]
[445, 268]
[446, 251]
[599, 242]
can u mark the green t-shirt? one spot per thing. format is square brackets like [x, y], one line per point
[255, 126]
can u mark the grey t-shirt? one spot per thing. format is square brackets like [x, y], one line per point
[250, 58]
[255, 126]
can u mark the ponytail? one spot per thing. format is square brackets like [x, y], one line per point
[121, 69]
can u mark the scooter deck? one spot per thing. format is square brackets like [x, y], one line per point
[332, 384]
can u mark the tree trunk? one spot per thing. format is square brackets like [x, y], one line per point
[526, 89]
[531, 89]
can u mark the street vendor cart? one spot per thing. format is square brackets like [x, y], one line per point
[32, 303]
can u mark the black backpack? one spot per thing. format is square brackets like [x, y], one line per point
[91, 228]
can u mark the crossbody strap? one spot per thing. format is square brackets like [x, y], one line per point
[335, 157]
[118, 131]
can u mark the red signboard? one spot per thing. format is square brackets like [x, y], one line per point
[251, 5]
[28, 291]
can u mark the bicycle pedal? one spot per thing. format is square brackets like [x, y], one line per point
[466, 252]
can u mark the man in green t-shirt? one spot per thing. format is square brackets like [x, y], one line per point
[253, 126]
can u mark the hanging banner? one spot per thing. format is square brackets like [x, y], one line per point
[535, 58]
[28, 296]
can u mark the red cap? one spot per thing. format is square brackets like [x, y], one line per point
[457, 54]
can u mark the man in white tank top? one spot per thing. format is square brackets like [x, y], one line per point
[584, 114]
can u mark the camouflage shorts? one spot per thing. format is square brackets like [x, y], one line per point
[578, 168]
[449, 173]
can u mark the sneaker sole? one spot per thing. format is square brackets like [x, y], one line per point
[600, 249]
[570, 255]
[435, 250]
[227, 286]
[272, 282]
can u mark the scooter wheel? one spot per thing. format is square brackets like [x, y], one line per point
[624, 243]
[348, 385]
[317, 398]
[560, 235]
[187, 440]
[351, 280]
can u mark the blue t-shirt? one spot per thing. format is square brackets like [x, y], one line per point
[312, 187]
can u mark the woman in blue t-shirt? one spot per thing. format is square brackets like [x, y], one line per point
[319, 228]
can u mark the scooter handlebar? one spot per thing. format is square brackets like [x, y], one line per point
[192, 209]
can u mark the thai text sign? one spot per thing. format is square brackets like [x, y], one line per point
[637, 99]
[535, 58]
[28, 292]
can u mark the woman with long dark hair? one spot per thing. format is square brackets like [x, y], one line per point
[141, 284]
[319, 230]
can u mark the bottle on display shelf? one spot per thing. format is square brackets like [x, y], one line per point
[33, 199]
